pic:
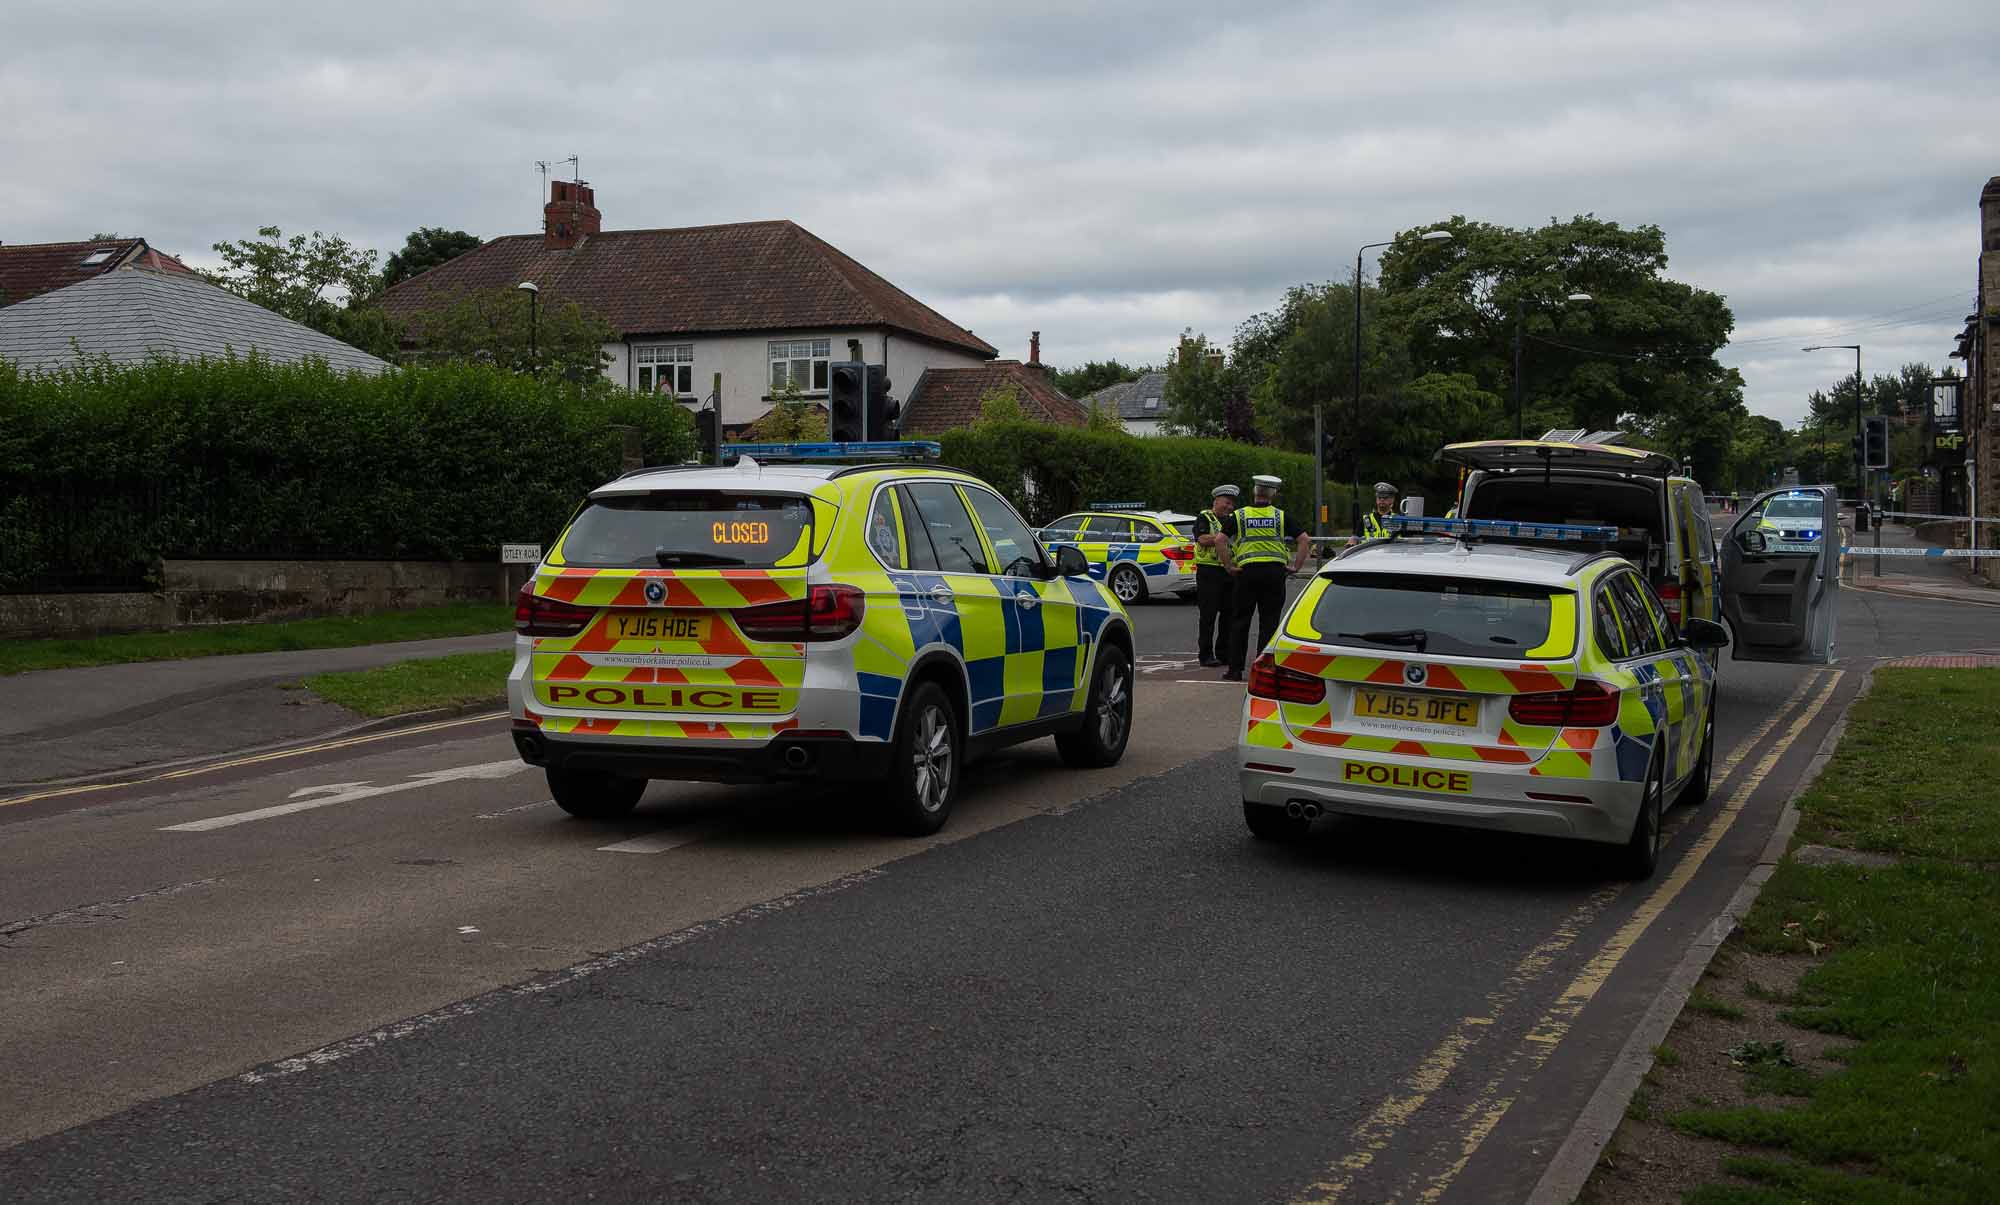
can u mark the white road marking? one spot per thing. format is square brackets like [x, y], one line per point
[658, 843]
[468, 929]
[520, 807]
[349, 792]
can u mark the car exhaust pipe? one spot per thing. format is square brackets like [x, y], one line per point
[529, 744]
[1310, 811]
[797, 757]
[1294, 810]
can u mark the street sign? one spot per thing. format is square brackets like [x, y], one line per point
[1944, 405]
[520, 554]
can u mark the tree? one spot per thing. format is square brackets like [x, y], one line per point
[424, 249]
[307, 278]
[1198, 389]
[1001, 405]
[791, 419]
[1092, 376]
[492, 326]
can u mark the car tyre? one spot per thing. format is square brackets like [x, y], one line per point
[1641, 853]
[925, 766]
[1696, 792]
[1107, 714]
[595, 796]
[1268, 822]
[1128, 585]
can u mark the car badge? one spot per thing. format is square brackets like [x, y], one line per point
[655, 591]
[1415, 674]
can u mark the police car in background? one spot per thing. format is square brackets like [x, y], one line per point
[1511, 676]
[1140, 553]
[1792, 522]
[813, 620]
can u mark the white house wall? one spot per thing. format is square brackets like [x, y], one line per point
[745, 364]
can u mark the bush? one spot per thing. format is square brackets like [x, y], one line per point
[1047, 471]
[104, 470]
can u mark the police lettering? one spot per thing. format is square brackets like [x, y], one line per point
[674, 698]
[1410, 778]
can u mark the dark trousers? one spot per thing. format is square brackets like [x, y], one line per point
[1211, 594]
[1260, 591]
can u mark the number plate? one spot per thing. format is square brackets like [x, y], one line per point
[655, 626]
[1454, 710]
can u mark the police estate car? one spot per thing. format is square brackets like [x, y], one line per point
[769, 621]
[1139, 553]
[1792, 522]
[1513, 676]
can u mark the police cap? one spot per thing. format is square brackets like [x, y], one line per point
[1384, 489]
[1224, 491]
[1266, 481]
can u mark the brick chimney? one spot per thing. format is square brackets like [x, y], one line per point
[570, 215]
[1035, 348]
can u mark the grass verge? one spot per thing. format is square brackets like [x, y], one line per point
[418, 685]
[1907, 964]
[428, 623]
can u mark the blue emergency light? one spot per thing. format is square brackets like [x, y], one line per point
[898, 449]
[1497, 529]
[1116, 506]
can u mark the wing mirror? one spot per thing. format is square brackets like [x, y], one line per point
[1704, 634]
[1070, 562]
[1752, 540]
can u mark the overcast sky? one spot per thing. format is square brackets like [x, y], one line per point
[1106, 175]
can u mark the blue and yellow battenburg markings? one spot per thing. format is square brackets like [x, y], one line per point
[1149, 558]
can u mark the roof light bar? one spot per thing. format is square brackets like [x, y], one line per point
[1497, 529]
[899, 449]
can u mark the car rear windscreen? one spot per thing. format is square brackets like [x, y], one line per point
[690, 529]
[1463, 617]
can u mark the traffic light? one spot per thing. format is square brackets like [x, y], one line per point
[846, 385]
[1875, 442]
[885, 414]
[704, 425]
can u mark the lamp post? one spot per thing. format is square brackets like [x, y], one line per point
[1520, 310]
[1354, 417]
[1860, 473]
[533, 292]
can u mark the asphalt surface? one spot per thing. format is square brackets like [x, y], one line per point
[1090, 986]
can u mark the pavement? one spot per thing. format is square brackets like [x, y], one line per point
[390, 967]
[1941, 579]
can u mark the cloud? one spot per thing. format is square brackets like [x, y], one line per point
[1108, 175]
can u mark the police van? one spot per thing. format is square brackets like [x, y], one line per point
[1140, 553]
[812, 612]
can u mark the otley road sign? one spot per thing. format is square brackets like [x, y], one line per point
[520, 554]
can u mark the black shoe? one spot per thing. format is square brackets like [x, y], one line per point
[1210, 663]
[1234, 675]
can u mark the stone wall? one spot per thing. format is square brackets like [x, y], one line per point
[209, 592]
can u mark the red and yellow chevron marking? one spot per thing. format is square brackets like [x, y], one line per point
[721, 588]
[1263, 727]
[1518, 679]
[668, 729]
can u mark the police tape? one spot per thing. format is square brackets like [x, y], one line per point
[1905, 514]
[1871, 550]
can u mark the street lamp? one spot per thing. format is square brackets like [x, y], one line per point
[529, 287]
[1520, 307]
[1860, 478]
[1354, 430]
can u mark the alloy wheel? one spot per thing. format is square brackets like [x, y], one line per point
[932, 759]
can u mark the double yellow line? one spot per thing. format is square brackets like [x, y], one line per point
[1478, 1119]
[251, 760]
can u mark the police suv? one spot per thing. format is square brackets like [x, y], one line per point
[1512, 676]
[794, 617]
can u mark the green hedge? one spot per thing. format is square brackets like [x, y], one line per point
[1047, 471]
[105, 470]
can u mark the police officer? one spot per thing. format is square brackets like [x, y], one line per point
[1254, 548]
[1372, 526]
[1211, 580]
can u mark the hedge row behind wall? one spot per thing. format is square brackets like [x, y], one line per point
[1047, 471]
[105, 470]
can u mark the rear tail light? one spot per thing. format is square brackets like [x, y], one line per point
[1670, 596]
[1178, 552]
[825, 613]
[538, 616]
[1269, 680]
[1587, 705]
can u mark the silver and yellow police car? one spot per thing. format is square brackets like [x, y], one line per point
[1533, 687]
[814, 620]
[1140, 553]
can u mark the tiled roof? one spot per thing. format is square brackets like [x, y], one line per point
[1127, 399]
[31, 269]
[134, 313]
[950, 397]
[749, 276]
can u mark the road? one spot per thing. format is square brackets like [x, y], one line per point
[391, 968]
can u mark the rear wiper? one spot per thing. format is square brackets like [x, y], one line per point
[1415, 637]
[669, 557]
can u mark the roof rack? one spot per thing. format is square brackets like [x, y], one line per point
[773, 453]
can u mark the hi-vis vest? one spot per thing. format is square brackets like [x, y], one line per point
[1372, 527]
[1260, 536]
[1204, 554]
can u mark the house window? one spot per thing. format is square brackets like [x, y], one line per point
[1152, 403]
[95, 258]
[800, 363]
[666, 368]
